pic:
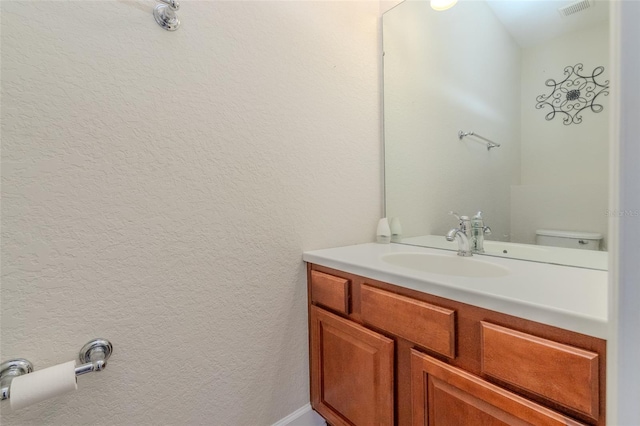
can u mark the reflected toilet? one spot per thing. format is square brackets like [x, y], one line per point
[568, 239]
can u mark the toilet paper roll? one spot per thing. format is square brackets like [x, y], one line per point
[42, 384]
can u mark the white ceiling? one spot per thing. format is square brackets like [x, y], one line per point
[533, 21]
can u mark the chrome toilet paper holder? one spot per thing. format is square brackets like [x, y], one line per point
[93, 357]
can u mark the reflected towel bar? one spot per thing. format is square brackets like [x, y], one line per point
[490, 143]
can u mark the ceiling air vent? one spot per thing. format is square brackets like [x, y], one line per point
[575, 7]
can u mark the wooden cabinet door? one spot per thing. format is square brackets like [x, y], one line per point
[351, 372]
[442, 395]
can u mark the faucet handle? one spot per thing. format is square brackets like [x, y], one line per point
[464, 221]
[460, 218]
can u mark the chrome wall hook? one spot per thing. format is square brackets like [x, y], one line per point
[166, 16]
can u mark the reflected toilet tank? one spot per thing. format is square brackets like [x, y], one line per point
[569, 239]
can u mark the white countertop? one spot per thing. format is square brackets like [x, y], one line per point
[567, 297]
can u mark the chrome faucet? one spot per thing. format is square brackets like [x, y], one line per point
[462, 234]
[478, 231]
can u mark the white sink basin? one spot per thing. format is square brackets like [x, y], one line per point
[452, 265]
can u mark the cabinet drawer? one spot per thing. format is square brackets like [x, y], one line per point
[564, 374]
[330, 291]
[445, 395]
[427, 325]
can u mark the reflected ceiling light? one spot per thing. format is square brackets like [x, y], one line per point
[442, 4]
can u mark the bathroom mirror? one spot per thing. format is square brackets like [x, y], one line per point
[482, 67]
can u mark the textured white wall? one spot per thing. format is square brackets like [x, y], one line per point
[158, 189]
[564, 167]
[445, 72]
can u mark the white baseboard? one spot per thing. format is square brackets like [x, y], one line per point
[304, 416]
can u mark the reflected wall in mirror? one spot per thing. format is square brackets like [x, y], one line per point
[479, 67]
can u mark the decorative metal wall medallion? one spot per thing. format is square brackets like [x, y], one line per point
[574, 94]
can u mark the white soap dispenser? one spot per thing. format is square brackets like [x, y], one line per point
[383, 234]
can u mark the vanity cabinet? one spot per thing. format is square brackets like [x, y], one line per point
[381, 354]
